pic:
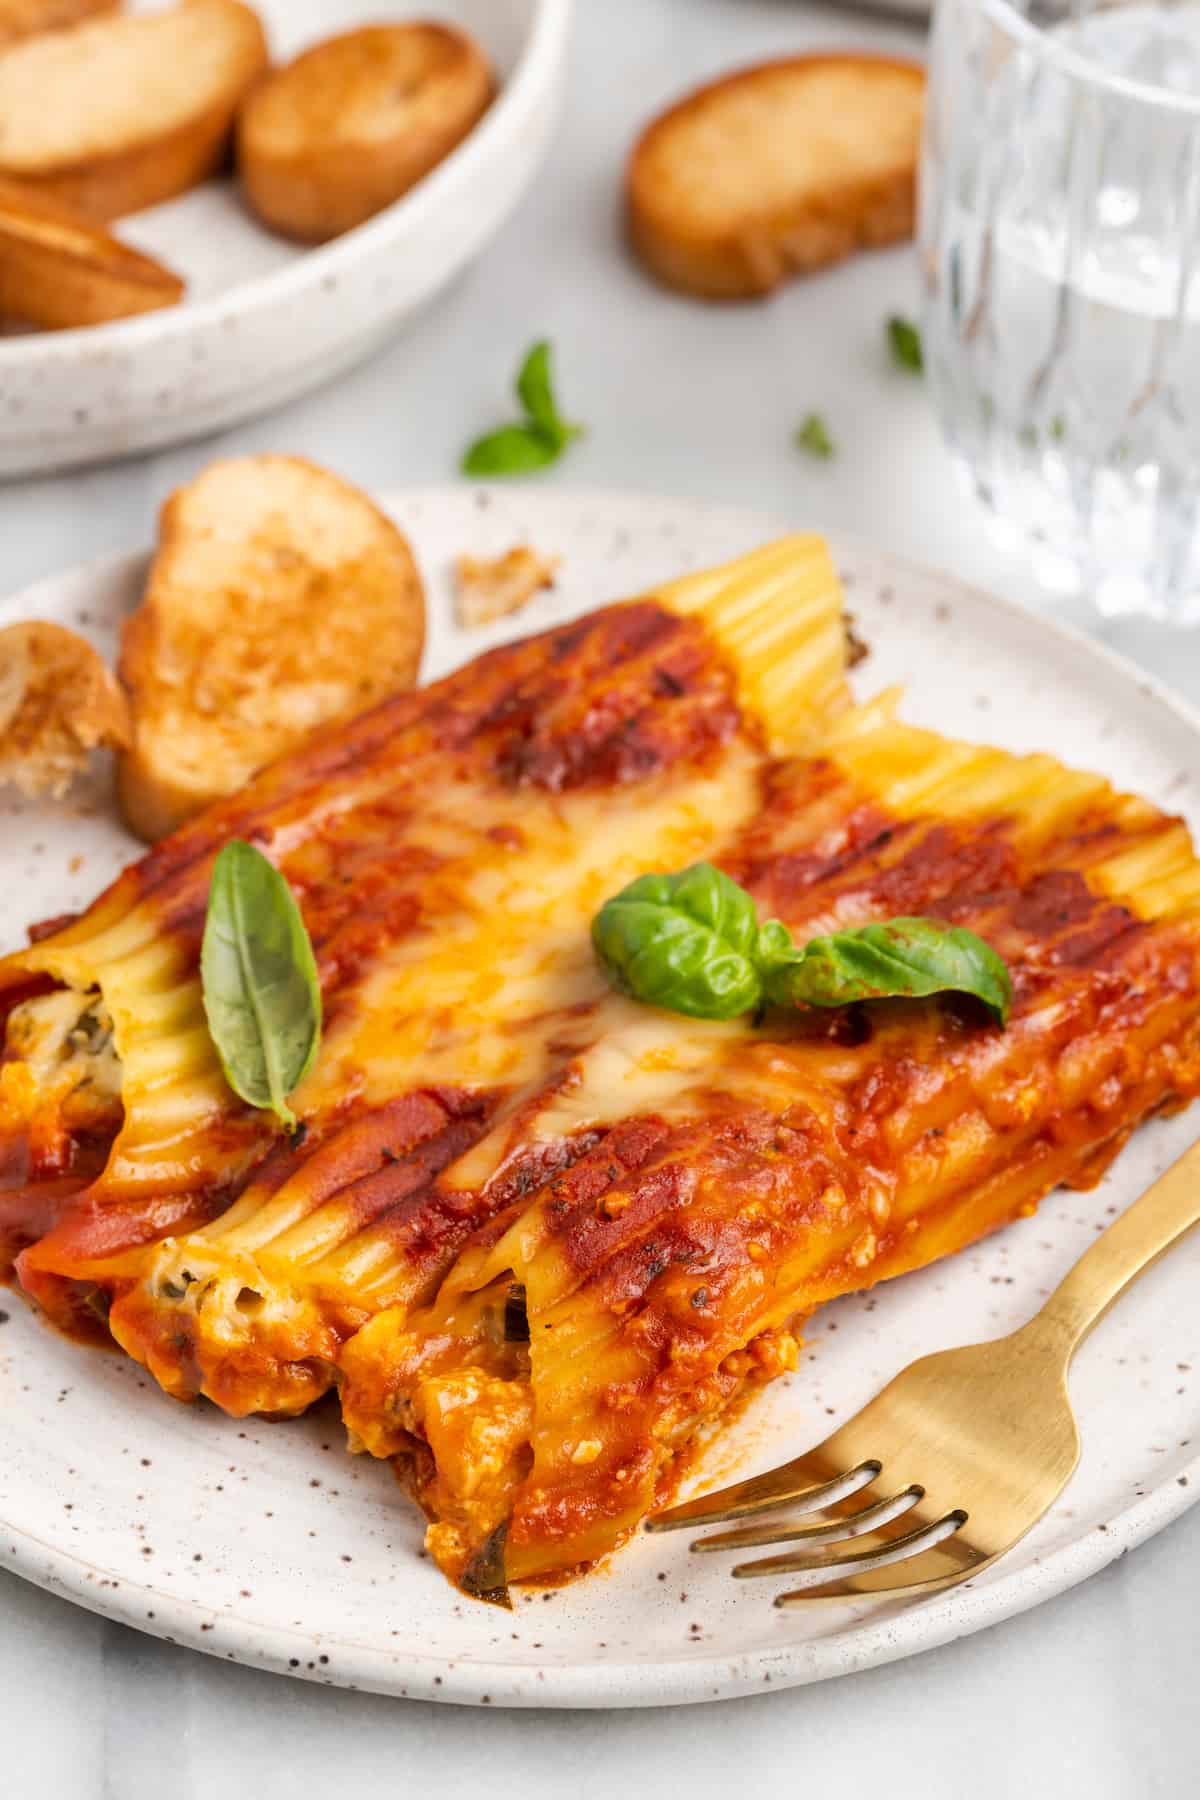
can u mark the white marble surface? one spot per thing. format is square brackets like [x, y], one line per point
[1093, 1694]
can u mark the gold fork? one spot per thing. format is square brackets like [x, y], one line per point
[961, 1453]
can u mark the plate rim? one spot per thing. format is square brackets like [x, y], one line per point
[884, 1636]
[531, 78]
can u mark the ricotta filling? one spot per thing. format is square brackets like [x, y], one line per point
[471, 1411]
[59, 1048]
[468, 1402]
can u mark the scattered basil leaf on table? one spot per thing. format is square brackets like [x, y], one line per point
[905, 342]
[692, 943]
[535, 442]
[513, 450]
[813, 436]
[259, 978]
[535, 391]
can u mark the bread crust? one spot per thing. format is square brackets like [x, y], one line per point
[30, 18]
[324, 145]
[748, 254]
[112, 187]
[257, 630]
[58, 702]
[128, 177]
[58, 269]
[152, 805]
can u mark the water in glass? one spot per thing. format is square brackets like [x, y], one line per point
[1060, 248]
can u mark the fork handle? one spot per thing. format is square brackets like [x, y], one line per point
[1138, 1238]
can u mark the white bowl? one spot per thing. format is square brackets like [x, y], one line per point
[265, 321]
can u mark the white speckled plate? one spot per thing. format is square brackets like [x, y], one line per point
[268, 1545]
[265, 320]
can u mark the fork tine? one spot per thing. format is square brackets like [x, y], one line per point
[892, 1550]
[943, 1566]
[785, 1531]
[778, 1487]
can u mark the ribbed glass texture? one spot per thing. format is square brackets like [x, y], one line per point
[1060, 254]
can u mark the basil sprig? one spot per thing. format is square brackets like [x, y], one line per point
[686, 942]
[539, 439]
[692, 943]
[904, 342]
[259, 976]
[814, 436]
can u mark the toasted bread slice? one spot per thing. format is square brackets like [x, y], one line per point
[280, 599]
[122, 113]
[57, 269]
[349, 126]
[30, 18]
[58, 702]
[777, 170]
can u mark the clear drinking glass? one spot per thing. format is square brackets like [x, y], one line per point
[1060, 253]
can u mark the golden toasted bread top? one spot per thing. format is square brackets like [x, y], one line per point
[760, 138]
[113, 84]
[280, 598]
[29, 18]
[364, 87]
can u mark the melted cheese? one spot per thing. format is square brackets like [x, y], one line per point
[504, 993]
[475, 1003]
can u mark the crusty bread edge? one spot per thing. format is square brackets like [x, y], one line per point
[152, 804]
[57, 288]
[283, 196]
[749, 263]
[312, 198]
[78, 15]
[108, 187]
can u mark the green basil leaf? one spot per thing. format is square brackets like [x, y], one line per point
[813, 436]
[540, 440]
[902, 957]
[535, 391]
[513, 450]
[691, 943]
[905, 342]
[685, 942]
[259, 976]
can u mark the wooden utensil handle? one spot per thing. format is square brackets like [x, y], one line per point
[1138, 1238]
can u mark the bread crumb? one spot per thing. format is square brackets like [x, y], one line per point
[491, 588]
